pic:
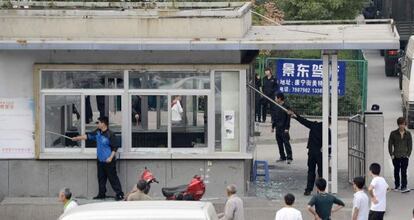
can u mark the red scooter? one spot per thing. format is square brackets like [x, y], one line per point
[193, 191]
[148, 177]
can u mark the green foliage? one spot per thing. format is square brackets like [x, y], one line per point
[320, 9]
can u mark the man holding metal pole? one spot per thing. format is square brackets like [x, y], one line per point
[281, 121]
[314, 149]
[106, 149]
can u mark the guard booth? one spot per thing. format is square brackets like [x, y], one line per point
[365, 143]
[62, 67]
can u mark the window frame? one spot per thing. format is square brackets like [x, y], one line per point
[126, 93]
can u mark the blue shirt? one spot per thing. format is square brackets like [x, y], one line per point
[104, 144]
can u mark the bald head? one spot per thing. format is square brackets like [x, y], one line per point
[231, 189]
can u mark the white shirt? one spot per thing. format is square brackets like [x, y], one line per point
[380, 188]
[176, 111]
[288, 213]
[361, 201]
[69, 205]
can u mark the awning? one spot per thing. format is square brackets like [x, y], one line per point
[285, 37]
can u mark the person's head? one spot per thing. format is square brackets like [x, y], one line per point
[103, 122]
[64, 195]
[320, 184]
[289, 199]
[401, 123]
[375, 169]
[231, 189]
[178, 97]
[268, 72]
[142, 186]
[359, 183]
[257, 76]
[280, 97]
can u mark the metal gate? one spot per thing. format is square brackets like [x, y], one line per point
[356, 147]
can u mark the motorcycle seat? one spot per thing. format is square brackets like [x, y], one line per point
[171, 191]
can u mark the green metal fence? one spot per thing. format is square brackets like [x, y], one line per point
[355, 99]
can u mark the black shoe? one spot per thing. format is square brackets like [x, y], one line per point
[119, 198]
[405, 190]
[307, 193]
[99, 197]
[280, 160]
[289, 161]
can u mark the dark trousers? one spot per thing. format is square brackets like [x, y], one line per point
[100, 102]
[108, 171]
[265, 104]
[314, 160]
[88, 110]
[373, 215]
[282, 139]
[257, 109]
[400, 164]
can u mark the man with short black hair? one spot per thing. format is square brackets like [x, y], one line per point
[269, 88]
[323, 202]
[288, 212]
[314, 146]
[257, 106]
[378, 192]
[105, 150]
[360, 208]
[139, 193]
[65, 196]
[281, 121]
[400, 145]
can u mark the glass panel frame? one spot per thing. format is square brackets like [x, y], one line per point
[184, 124]
[125, 94]
[130, 119]
[170, 80]
[43, 125]
[82, 79]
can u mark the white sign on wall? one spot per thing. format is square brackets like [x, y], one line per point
[16, 128]
[228, 124]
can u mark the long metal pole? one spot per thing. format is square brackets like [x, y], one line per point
[267, 97]
[60, 135]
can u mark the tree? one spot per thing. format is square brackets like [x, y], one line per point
[320, 9]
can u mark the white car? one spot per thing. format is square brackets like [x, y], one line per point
[140, 210]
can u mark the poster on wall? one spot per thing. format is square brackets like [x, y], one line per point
[16, 128]
[228, 124]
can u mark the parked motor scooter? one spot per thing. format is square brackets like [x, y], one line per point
[192, 191]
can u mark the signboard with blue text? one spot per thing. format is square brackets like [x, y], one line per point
[305, 76]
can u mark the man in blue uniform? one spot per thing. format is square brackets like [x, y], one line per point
[105, 151]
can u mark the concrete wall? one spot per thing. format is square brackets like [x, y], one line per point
[128, 24]
[21, 178]
[44, 178]
[16, 67]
